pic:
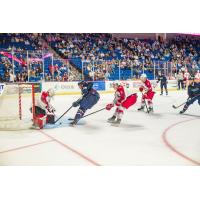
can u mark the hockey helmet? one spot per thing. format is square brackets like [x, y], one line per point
[81, 82]
[51, 92]
[143, 76]
[116, 83]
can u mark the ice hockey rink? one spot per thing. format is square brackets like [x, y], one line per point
[162, 138]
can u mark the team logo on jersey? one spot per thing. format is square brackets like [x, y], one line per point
[2, 86]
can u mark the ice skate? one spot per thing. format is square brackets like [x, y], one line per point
[150, 109]
[73, 123]
[112, 119]
[182, 111]
[141, 108]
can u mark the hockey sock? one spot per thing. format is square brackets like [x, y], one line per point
[79, 114]
[150, 104]
[119, 113]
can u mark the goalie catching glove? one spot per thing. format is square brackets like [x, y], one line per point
[50, 109]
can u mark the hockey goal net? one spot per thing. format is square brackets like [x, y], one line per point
[15, 103]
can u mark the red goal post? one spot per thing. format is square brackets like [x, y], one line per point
[16, 99]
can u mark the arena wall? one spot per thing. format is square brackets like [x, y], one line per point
[70, 88]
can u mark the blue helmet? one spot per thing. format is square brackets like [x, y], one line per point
[81, 83]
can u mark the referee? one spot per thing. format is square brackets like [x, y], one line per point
[163, 82]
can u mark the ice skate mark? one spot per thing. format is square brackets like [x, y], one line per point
[91, 127]
[153, 114]
[84, 157]
[165, 140]
[24, 147]
[156, 115]
[129, 126]
[190, 115]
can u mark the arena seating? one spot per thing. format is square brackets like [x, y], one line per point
[134, 56]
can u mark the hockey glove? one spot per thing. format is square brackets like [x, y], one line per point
[141, 89]
[76, 103]
[109, 106]
[50, 109]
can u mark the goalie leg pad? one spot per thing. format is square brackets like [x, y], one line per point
[40, 122]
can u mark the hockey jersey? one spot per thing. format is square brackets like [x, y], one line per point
[120, 95]
[88, 89]
[43, 101]
[194, 90]
[147, 86]
[162, 79]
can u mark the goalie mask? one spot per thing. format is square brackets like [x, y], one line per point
[51, 92]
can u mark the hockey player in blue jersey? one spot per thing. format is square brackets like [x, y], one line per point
[89, 98]
[193, 94]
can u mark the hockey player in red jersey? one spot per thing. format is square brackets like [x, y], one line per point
[121, 101]
[44, 111]
[147, 93]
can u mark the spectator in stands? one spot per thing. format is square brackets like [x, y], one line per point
[1, 79]
[7, 76]
[12, 77]
[197, 75]
[180, 79]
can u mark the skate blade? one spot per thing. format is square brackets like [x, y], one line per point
[70, 119]
[34, 127]
[111, 122]
[150, 112]
[115, 125]
[72, 125]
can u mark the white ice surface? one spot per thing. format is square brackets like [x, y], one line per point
[137, 141]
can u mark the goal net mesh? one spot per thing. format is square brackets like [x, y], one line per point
[15, 104]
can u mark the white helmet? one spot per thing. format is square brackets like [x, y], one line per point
[116, 83]
[51, 92]
[143, 76]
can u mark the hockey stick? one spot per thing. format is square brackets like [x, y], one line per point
[66, 111]
[94, 112]
[63, 114]
[175, 107]
[89, 114]
[146, 106]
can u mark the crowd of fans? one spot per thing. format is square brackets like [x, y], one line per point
[102, 57]
[24, 60]
[134, 54]
[63, 73]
